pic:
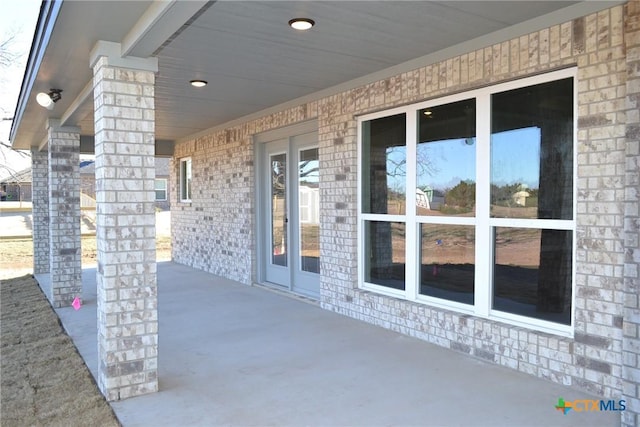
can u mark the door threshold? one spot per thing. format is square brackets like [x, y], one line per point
[272, 287]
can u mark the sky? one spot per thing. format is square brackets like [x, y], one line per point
[515, 158]
[19, 18]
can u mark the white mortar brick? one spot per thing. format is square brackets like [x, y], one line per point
[126, 252]
[205, 231]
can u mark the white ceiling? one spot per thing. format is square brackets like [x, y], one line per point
[252, 59]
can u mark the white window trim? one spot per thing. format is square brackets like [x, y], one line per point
[482, 221]
[164, 189]
[183, 160]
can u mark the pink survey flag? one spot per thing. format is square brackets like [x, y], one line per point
[76, 304]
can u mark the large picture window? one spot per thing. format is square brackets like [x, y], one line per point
[468, 202]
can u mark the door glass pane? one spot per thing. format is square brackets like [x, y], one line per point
[309, 210]
[385, 253]
[446, 160]
[532, 152]
[384, 165]
[279, 209]
[447, 261]
[532, 273]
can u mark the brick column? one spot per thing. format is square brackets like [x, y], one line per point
[40, 210]
[64, 214]
[126, 278]
[631, 322]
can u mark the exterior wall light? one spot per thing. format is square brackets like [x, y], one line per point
[301, 24]
[47, 100]
[198, 83]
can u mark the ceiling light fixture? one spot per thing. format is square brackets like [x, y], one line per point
[301, 24]
[47, 99]
[198, 83]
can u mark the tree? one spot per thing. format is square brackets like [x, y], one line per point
[503, 195]
[462, 196]
[9, 58]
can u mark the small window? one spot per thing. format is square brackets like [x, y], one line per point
[185, 180]
[161, 189]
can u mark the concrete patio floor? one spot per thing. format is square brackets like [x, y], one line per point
[231, 354]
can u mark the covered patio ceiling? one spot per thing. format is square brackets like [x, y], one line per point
[251, 58]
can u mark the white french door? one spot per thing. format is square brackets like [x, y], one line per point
[290, 213]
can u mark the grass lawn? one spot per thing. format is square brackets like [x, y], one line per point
[44, 380]
[16, 254]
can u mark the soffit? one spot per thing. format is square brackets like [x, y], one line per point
[252, 59]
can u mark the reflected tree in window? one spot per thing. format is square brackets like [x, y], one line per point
[384, 192]
[384, 165]
[309, 210]
[446, 157]
[279, 209]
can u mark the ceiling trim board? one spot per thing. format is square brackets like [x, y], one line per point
[157, 25]
[79, 105]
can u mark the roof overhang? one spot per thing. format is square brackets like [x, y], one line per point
[254, 63]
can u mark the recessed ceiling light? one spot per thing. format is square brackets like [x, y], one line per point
[427, 113]
[198, 83]
[301, 24]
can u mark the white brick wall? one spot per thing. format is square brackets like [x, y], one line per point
[215, 231]
[125, 218]
[631, 287]
[40, 197]
[64, 215]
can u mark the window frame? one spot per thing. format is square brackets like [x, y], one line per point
[164, 189]
[482, 221]
[184, 186]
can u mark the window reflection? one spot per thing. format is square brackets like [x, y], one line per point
[532, 152]
[447, 262]
[385, 253]
[532, 273]
[279, 209]
[384, 155]
[309, 210]
[446, 159]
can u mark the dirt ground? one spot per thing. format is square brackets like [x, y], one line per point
[16, 255]
[44, 380]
